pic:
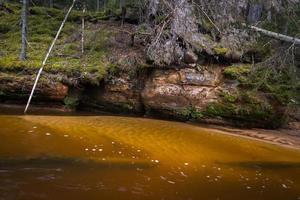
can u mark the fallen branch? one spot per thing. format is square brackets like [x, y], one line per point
[275, 35]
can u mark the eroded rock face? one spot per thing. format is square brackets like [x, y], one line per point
[120, 92]
[18, 87]
[171, 91]
[164, 91]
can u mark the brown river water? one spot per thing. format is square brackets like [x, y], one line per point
[109, 157]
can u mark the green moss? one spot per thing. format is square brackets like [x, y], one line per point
[237, 72]
[37, 11]
[71, 102]
[258, 51]
[229, 97]
[221, 51]
[246, 108]
[279, 83]
[66, 57]
[4, 28]
[266, 91]
[190, 113]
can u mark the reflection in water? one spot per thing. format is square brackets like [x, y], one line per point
[56, 157]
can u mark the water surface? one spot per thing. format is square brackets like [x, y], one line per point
[90, 157]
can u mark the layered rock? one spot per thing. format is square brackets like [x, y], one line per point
[171, 91]
[18, 87]
[119, 92]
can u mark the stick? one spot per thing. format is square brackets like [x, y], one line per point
[47, 56]
[275, 35]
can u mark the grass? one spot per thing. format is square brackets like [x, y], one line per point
[66, 57]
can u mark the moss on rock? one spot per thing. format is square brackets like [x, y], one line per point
[189, 113]
[71, 102]
[220, 51]
[237, 72]
[246, 109]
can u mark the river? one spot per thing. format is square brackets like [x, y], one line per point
[111, 157]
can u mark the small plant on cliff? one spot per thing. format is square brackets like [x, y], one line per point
[221, 51]
[190, 113]
[237, 72]
[71, 102]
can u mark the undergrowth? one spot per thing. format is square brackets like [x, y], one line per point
[66, 57]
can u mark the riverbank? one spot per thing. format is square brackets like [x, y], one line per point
[288, 136]
[124, 72]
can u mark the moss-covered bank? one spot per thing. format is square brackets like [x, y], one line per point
[262, 89]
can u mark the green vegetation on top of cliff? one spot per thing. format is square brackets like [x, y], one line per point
[246, 108]
[266, 93]
[66, 57]
[281, 83]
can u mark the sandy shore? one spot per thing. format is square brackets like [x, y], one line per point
[288, 137]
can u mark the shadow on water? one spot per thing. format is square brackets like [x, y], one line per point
[40, 110]
[12, 109]
[263, 165]
[46, 161]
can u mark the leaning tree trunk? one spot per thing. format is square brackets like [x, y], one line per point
[24, 21]
[277, 36]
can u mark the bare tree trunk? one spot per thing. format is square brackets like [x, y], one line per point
[82, 30]
[24, 21]
[98, 5]
[104, 4]
[123, 8]
[277, 36]
[51, 3]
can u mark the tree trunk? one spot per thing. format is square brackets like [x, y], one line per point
[82, 30]
[24, 21]
[98, 5]
[123, 8]
[51, 3]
